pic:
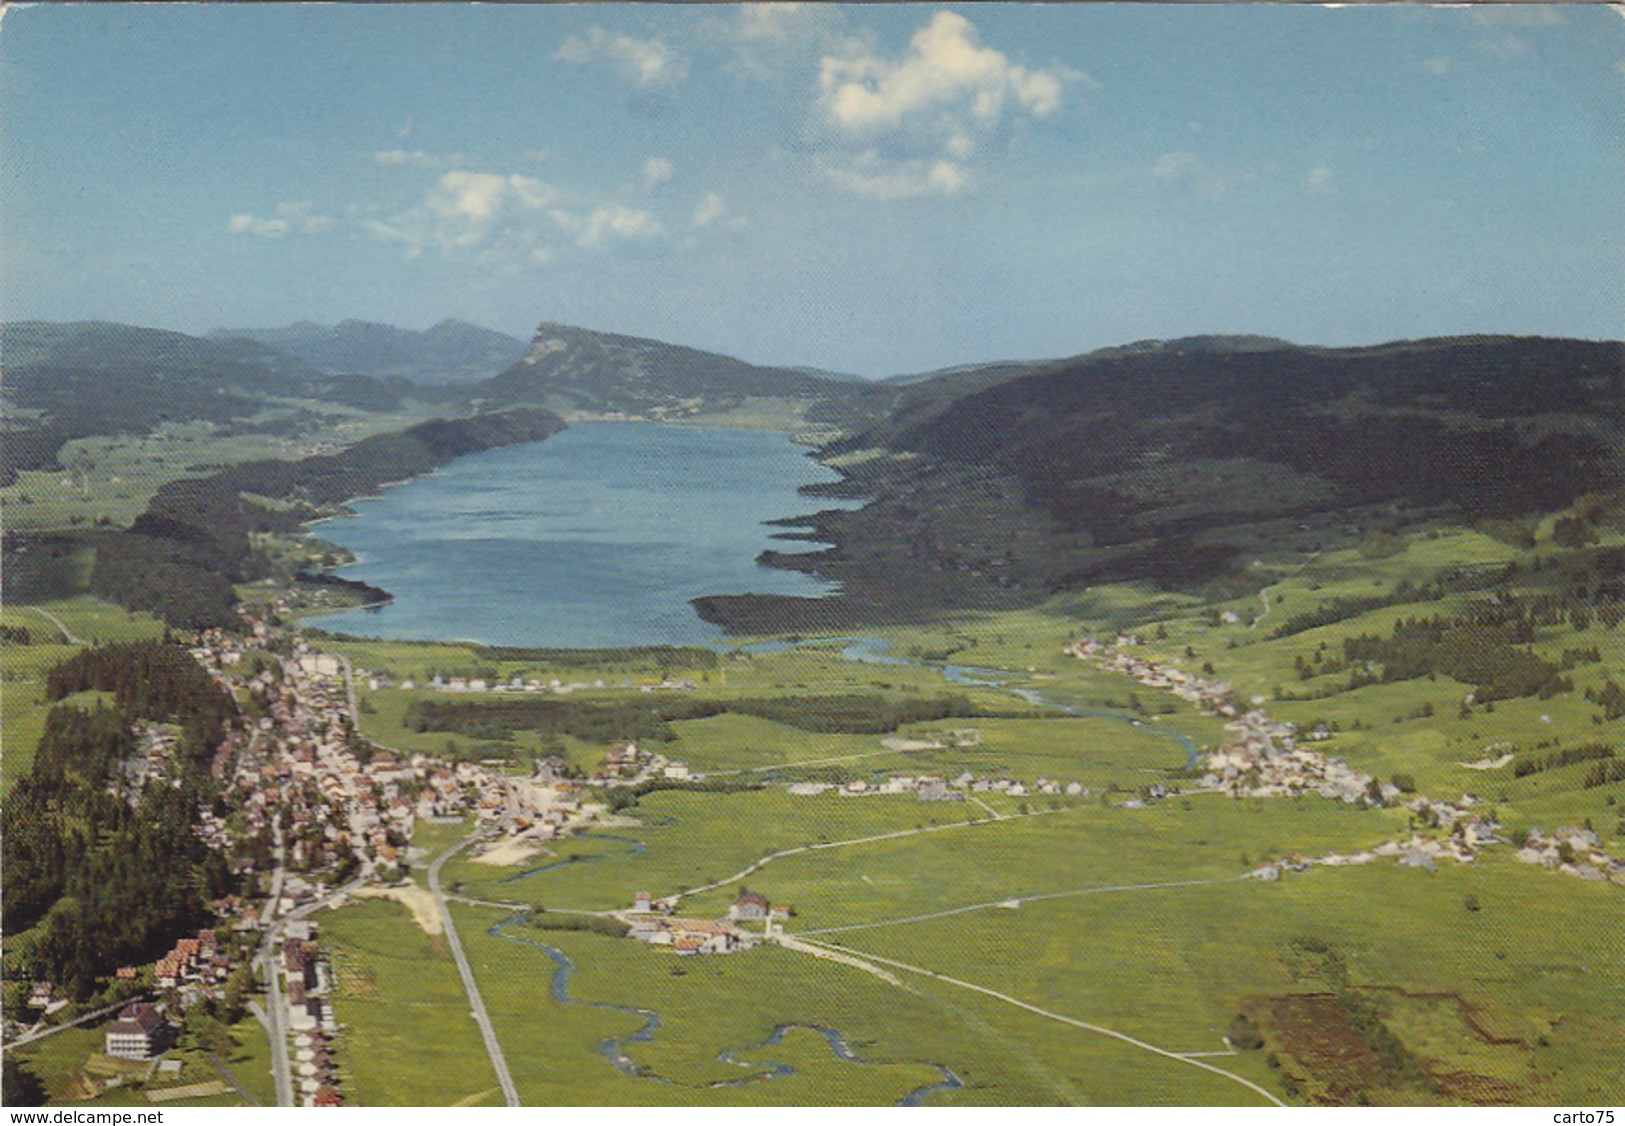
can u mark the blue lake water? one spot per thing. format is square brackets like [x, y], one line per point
[598, 536]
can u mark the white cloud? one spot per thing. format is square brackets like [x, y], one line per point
[657, 170]
[610, 223]
[873, 176]
[293, 217]
[773, 21]
[644, 63]
[1320, 181]
[498, 219]
[946, 81]
[773, 42]
[416, 158]
[1438, 65]
[708, 211]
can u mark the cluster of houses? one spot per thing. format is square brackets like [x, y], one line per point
[477, 685]
[1419, 851]
[938, 787]
[1209, 695]
[303, 759]
[157, 752]
[627, 765]
[200, 965]
[306, 981]
[1574, 852]
[1263, 759]
[653, 922]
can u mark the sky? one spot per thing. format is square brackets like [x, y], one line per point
[875, 189]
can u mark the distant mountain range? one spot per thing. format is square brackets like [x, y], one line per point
[1177, 462]
[1169, 461]
[579, 371]
[453, 351]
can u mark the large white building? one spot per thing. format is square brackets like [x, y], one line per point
[139, 1033]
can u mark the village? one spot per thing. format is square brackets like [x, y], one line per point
[315, 812]
[1264, 759]
[312, 812]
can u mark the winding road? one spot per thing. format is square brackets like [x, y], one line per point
[1073, 1021]
[1016, 901]
[67, 634]
[772, 856]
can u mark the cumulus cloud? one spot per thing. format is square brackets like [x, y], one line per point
[873, 176]
[608, 224]
[1320, 181]
[657, 170]
[416, 158]
[643, 63]
[480, 213]
[770, 42]
[910, 124]
[771, 21]
[1439, 65]
[946, 80]
[293, 217]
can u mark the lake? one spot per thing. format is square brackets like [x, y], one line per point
[598, 536]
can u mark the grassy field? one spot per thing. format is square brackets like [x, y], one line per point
[1489, 982]
[110, 479]
[710, 1006]
[23, 667]
[72, 1068]
[408, 1039]
[1174, 965]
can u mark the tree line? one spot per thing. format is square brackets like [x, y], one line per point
[94, 881]
[180, 557]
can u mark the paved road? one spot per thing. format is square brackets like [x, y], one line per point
[276, 1015]
[55, 1028]
[510, 1093]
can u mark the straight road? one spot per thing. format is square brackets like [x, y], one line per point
[510, 1093]
[276, 1007]
[1017, 901]
[29, 1038]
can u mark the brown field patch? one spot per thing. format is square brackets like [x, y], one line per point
[1480, 1090]
[1314, 1030]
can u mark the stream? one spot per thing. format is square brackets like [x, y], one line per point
[865, 650]
[612, 1048]
[878, 651]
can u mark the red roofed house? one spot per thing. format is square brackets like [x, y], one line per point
[749, 905]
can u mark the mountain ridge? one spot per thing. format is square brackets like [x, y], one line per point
[451, 351]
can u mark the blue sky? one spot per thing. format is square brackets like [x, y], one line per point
[874, 189]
